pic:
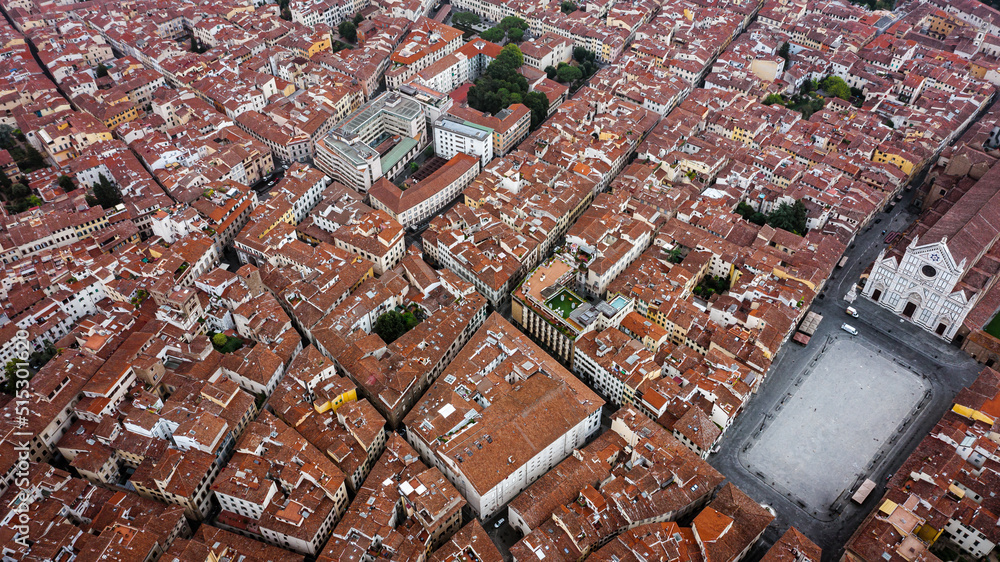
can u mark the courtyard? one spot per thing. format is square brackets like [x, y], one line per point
[835, 425]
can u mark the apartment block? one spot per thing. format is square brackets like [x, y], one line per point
[453, 136]
[470, 423]
[420, 200]
[377, 140]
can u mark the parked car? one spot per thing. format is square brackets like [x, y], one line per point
[849, 329]
[852, 311]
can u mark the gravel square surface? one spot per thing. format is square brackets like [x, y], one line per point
[843, 413]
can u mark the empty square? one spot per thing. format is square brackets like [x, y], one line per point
[833, 424]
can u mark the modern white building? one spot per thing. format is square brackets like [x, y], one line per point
[377, 140]
[453, 136]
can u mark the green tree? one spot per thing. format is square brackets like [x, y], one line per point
[358, 18]
[220, 340]
[568, 73]
[33, 160]
[784, 52]
[836, 87]
[102, 70]
[583, 54]
[391, 325]
[66, 183]
[493, 35]
[774, 99]
[538, 103]
[7, 139]
[20, 191]
[515, 35]
[107, 193]
[9, 385]
[568, 6]
[38, 359]
[550, 71]
[10, 369]
[789, 217]
[466, 18]
[348, 31]
[512, 22]
[501, 84]
[750, 214]
[511, 56]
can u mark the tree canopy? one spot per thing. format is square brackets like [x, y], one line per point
[502, 85]
[466, 18]
[538, 103]
[391, 325]
[582, 55]
[568, 73]
[890, 4]
[348, 30]
[784, 52]
[586, 66]
[513, 22]
[789, 217]
[493, 35]
[836, 87]
[7, 137]
[225, 344]
[20, 191]
[107, 193]
[568, 6]
[774, 99]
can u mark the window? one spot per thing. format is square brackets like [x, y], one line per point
[928, 271]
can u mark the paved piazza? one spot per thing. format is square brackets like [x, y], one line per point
[835, 426]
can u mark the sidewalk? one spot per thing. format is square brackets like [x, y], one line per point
[916, 338]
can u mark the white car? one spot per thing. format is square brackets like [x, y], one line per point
[849, 329]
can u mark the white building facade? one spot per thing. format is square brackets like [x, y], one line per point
[452, 136]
